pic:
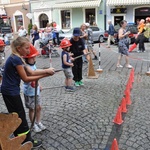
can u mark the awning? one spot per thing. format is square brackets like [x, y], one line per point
[94, 3]
[127, 2]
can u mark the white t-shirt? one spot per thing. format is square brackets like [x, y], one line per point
[22, 32]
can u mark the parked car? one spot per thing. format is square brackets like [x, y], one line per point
[98, 34]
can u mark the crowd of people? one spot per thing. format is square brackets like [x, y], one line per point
[143, 27]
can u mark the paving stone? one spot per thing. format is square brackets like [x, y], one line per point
[82, 120]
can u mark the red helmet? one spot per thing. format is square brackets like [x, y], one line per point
[54, 24]
[65, 43]
[2, 43]
[33, 52]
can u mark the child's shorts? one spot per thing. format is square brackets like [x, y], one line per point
[68, 72]
[30, 101]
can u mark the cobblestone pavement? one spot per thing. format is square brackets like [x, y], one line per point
[82, 120]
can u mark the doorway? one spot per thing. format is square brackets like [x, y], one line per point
[90, 16]
[43, 19]
[117, 20]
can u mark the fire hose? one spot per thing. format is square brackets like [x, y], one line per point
[36, 86]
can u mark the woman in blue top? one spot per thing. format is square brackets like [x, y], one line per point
[16, 70]
[35, 34]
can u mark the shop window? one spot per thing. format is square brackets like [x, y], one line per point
[65, 19]
[90, 16]
[19, 21]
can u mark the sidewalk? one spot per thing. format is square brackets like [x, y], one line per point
[83, 120]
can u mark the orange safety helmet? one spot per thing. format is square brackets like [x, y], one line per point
[65, 43]
[2, 43]
[33, 52]
[54, 24]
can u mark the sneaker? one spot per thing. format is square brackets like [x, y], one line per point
[77, 83]
[36, 143]
[138, 51]
[129, 66]
[107, 46]
[36, 128]
[41, 126]
[119, 66]
[70, 89]
[81, 83]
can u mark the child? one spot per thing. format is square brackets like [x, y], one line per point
[16, 70]
[67, 64]
[29, 93]
[7, 42]
[2, 57]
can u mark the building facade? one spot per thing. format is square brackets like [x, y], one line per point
[129, 10]
[16, 10]
[68, 13]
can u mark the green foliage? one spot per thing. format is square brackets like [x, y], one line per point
[29, 28]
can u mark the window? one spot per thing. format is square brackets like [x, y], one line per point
[19, 21]
[65, 19]
[94, 28]
[90, 16]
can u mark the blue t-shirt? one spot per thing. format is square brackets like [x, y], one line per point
[36, 35]
[11, 79]
[28, 90]
[68, 59]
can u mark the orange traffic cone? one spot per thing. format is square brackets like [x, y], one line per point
[114, 145]
[123, 105]
[127, 88]
[91, 73]
[127, 97]
[132, 47]
[130, 82]
[132, 75]
[118, 117]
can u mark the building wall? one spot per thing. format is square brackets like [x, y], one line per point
[129, 15]
[101, 15]
[77, 17]
[16, 8]
[76, 14]
[38, 8]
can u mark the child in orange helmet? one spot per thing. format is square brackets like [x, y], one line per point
[29, 93]
[67, 64]
[2, 58]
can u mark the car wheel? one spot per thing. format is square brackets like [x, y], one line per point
[101, 39]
